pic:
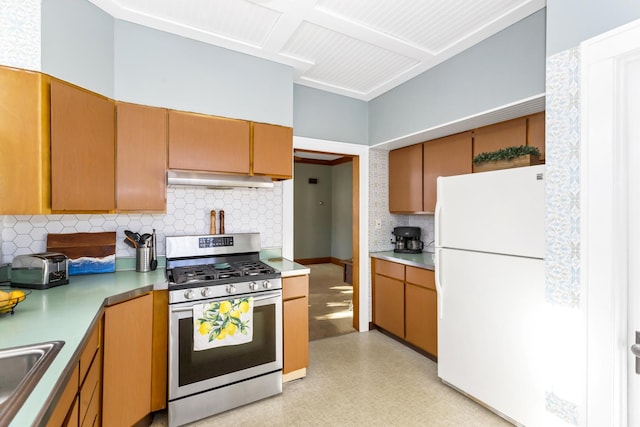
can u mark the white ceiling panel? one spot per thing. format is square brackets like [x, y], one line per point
[356, 48]
[344, 62]
[237, 20]
[432, 25]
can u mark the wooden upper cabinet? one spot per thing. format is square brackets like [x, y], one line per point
[24, 142]
[444, 157]
[82, 149]
[272, 150]
[141, 141]
[536, 133]
[511, 133]
[405, 179]
[207, 143]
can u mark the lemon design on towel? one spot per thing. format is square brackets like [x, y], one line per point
[222, 319]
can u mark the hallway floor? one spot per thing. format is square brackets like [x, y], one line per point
[361, 379]
[330, 311]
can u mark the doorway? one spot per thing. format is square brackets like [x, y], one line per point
[323, 238]
[360, 224]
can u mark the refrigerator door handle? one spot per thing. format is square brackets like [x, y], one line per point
[436, 230]
[439, 293]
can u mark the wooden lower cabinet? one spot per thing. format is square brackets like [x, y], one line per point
[81, 400]
[295, 326]
[127, 361]
[421, 309]
[389, 308]
[405, 304]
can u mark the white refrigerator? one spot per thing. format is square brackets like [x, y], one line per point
[490, 241]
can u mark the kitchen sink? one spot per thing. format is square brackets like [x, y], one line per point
[20, 370]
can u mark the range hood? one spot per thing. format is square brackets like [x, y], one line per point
[214, 180]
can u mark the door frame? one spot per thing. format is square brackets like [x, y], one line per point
[360, 153]
[603, 249]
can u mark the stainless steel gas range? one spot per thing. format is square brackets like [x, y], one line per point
[222, 275]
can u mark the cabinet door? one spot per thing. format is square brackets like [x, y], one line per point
[127, 362]
[536, 136]
[389, 304]
[272, 150]
[160, 344]
[82, 149]
[405, 179]
[444, 157]
[512, 133]
[207, 143]
[24, 143]
[141, 142]
[421, 318]
[295, 334]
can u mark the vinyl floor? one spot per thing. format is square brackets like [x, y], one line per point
[360, 379]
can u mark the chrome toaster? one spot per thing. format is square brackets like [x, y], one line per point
[40, 271]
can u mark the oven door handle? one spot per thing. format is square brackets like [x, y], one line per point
[260, 298]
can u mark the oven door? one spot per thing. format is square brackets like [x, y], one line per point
[196, 371]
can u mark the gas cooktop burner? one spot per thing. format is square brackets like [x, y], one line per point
[211, 273]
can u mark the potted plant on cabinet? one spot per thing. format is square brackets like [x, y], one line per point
[505, 158]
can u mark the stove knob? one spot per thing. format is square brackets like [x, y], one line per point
[253, 286]
[266, 284]
[189, 294]
[205, 292]
[231, 289]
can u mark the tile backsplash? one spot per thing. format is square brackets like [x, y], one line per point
[188, 212]
[380, 238]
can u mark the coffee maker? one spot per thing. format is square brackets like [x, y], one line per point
[407, 240]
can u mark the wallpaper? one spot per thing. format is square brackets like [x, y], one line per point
[562, 263]
[20, 33]
[188, 212]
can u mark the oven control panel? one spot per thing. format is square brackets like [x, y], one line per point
[214, 242]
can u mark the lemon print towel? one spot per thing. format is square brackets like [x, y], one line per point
[220, 323]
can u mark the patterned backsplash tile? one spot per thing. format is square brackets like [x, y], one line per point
[20, 42]
[188, 212]
[380, 238]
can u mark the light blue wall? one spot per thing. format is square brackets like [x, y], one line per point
[157, 68]
[342, 211]
[312, 211]
[570, 22]
[505, 68]
[77, 44]
[323, 115]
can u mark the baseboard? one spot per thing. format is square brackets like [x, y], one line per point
[294, 375]
[323, 260]
[307, 261]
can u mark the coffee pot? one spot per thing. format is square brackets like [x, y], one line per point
[407, 240]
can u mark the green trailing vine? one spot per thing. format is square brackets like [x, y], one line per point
[507, 153]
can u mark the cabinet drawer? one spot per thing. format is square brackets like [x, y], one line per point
[89, 351]
[421, 277]
[90, 390]
[389, 269]
[295, 287]
[72, 419]
[66, 401]
[92, 410]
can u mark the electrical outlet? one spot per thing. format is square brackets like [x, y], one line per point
[378, 224]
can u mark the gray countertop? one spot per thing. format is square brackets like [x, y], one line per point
[67, 313]
[421, 260]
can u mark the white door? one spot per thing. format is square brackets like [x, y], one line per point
[610, 186]
[632, 130]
